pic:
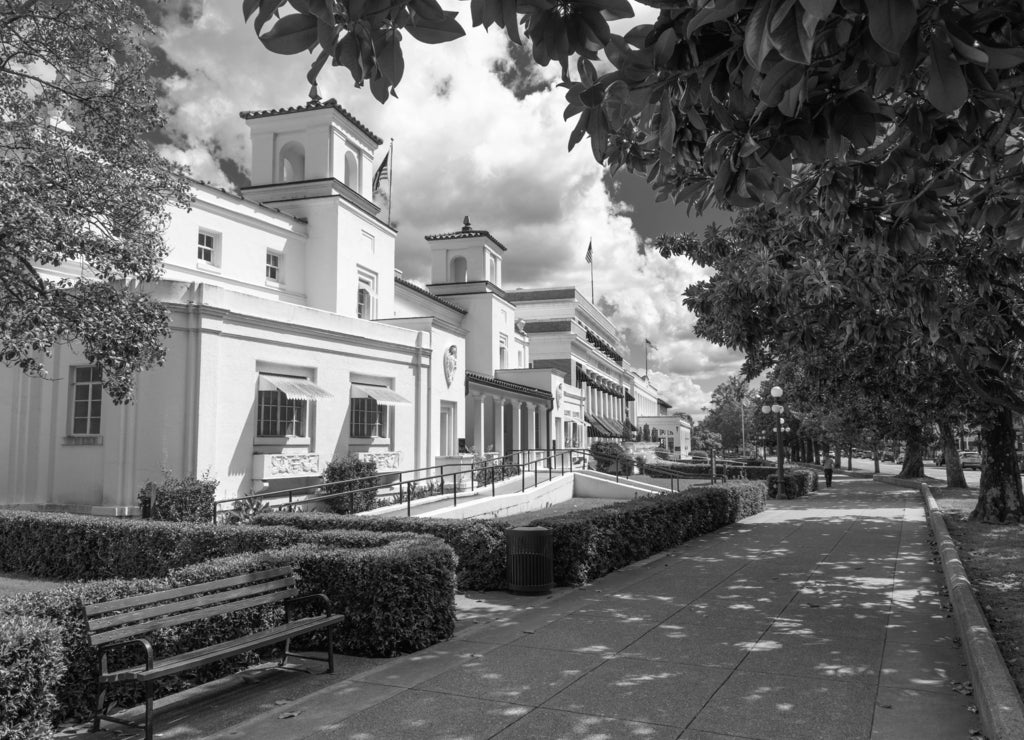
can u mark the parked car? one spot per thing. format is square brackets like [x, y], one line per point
[698, 455]
[940, 459]
[970, 460]
[901, 458]
[887, 456]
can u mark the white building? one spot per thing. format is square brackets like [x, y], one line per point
[285, 350]
[295, 341]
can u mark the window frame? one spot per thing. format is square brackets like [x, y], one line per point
[277, 267]
[367, 415]
[93, 400]
[366, 282]
[213, 247]
[293, 417]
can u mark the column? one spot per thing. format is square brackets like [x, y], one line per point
[478, 405]
[531, 426]
[517, 426]
[499, 425]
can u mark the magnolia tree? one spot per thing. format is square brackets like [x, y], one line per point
[891, 132]
[83, 196]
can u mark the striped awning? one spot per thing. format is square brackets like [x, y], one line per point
[294, 389]
[380, 394]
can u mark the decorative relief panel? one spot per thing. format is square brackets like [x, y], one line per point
[384, 460]
[451, 362]
[286, 465]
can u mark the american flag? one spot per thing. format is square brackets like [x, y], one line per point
[590, 252]
[381, 174]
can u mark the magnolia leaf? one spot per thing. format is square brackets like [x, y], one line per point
[947, 87]
[665, 46]
[791, 39]
[782, 76]
[314, 70]
[429, 31]
[1003, 57]
[380, 88]
[390, 61]
[616, 105]
[292, 34]
[756, 42]
[249, 7]
[713, 12]
[428, 9]
[818, 8]
[268, 8]
[966, 49]
[510, 21]
[891, 22]
[611, 10]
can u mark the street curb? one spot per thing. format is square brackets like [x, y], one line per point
[999, 703]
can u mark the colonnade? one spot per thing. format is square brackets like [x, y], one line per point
[486, 426]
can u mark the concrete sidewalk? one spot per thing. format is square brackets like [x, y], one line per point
[820, 618]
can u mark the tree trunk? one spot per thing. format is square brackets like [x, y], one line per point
[877, 469]
[951, 456]
[1000, 499]
[913, 461]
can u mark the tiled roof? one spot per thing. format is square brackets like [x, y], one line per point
[542, 294]
[312, 105]
[424, 291]
[505, 385]
[465, 234]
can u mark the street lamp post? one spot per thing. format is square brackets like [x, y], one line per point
[777, 409]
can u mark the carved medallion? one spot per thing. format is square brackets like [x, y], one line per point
[451, 362]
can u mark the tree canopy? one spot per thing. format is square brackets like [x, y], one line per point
[83, 196]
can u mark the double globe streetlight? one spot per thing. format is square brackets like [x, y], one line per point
[780, 427]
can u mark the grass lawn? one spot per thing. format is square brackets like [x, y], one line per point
[993, 556]
[19, 583]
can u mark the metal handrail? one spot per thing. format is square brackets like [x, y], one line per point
[516, 463]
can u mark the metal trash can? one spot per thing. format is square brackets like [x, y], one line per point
[530, 560]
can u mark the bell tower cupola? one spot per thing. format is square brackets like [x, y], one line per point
[465, 256]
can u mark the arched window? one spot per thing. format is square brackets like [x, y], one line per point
[351, 171]
[293, 162]
[459, 270]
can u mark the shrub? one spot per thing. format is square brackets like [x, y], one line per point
[187, 499]
[75, 547]
[396, 588]
[350, 474]
[479, 545]
[796, 482]
[31, 667]
[610, 457]
[487, 471]
[593, 542]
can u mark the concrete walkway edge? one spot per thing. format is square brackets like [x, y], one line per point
[999, 703]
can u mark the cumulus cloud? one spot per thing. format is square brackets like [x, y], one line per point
[476, 132]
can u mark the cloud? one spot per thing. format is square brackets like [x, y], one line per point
[477, 132]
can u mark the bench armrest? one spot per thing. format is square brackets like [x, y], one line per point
[146, 645]
[322, 598]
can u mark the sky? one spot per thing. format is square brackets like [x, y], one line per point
[478, 131]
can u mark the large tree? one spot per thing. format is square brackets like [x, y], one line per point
[891, 130]
[83, 196]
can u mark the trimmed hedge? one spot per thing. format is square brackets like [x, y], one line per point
[398, 594]
[31, 667]
[77, 547]
[590, 543]
[796, 482]
[479, 545]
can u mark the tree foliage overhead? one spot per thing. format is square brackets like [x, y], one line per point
[83, 196]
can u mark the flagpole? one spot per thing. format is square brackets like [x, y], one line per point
[592, 272]
[391, 175]
[647, 350]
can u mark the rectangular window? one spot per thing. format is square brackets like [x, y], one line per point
[502, 351]
[273, 266]
[369, 418]
[366, 296]
[280, 416]
[86, 400]
[206, 247]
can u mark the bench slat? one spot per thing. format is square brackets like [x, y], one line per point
[178, 663]
[130, 602]
[153, 625]
[174, 607]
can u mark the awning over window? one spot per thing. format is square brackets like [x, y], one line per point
[380, 394]
[604, 427]
[294, 389]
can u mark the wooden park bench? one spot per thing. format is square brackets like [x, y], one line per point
[127, 621]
